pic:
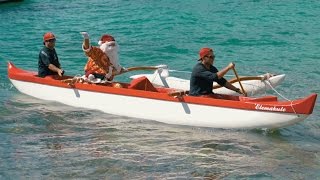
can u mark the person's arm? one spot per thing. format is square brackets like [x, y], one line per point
[56, 69]
[213, 74]
[224, 71]
[45, 60]
[86, 41]
[232, 87]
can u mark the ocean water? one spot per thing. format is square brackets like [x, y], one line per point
[48, 140]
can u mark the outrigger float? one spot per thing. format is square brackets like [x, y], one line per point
[140, 99]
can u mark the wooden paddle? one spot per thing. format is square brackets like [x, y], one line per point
[235, 72]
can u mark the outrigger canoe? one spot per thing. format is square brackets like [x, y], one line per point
[140, 99]
[252, 85]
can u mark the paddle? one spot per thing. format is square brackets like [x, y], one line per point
[235, 72]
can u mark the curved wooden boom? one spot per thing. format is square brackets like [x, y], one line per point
[138, 68]
[243, 78]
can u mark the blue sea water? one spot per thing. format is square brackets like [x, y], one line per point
[48, 140]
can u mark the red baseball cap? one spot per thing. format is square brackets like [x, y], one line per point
[204, 51]
[47, 36]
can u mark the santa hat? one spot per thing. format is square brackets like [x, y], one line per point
[106, 38]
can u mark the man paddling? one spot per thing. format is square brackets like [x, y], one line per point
[103, 60]
[48, 63]
[204, 74]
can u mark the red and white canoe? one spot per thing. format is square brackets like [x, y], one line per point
[140, 99]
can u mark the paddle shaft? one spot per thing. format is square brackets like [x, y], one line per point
[235, 72]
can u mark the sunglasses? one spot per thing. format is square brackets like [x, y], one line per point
[211, 57]
[51, 40]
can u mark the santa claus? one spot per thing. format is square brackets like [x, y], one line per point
[103, 61]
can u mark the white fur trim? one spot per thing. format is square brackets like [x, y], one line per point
[110, 42]
[107, 43]
[86, 50]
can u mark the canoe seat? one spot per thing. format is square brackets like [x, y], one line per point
[142, 83]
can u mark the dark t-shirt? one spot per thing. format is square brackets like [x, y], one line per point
[47, 56]
[202, 79]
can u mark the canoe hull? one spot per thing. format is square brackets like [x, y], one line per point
[140, 99]
[180, 113]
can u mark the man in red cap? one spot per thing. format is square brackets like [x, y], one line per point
[48, 63]
[102, 61]
[204, 74]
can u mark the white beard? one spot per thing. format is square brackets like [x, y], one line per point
[112, 52]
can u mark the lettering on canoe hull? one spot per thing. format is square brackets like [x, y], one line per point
[274, 108]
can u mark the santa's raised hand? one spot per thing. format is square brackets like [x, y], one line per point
[85, 35]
